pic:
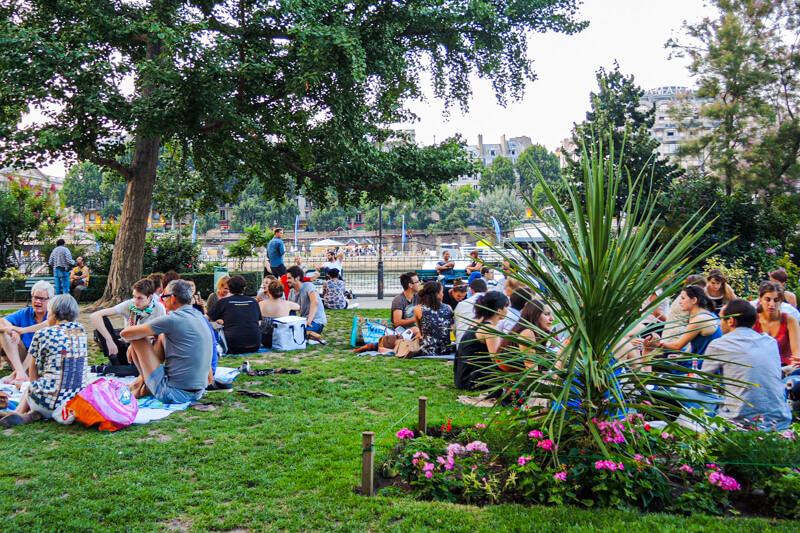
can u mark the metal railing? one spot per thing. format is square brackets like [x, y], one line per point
[360, 273]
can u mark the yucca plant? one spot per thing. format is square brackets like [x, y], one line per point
[602, 267]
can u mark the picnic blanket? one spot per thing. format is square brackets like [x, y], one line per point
[444, 357]
[14, 394]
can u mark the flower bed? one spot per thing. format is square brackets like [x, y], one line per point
[672, 469]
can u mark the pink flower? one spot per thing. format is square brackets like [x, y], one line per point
[607, 465]
[722, 481]
[523, 459]
[789, 434]
[405, 433]
[455, 449]
[546, 444]
[480, 426]
[428, 474]
[427, 467]
[477, 446]
[667, 436]
[712, 466]
[686, 468]
[536, 434]
[560, 476]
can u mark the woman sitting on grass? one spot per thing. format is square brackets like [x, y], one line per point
[222, 292]
[59, 369]
[718, 290]
[703, 324]
[780, 326]
[333, 291]
[535, 323]
[480, 342]
[434, 319]
[274, 307]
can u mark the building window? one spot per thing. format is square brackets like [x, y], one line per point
[476, 187]
[475, 177]
[491, 152]
[670, 133]
[222, 214]
[358, 218]
[513, 152]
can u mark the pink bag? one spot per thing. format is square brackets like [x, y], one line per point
[105, 402]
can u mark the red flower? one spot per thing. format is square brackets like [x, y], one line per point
[647, 427]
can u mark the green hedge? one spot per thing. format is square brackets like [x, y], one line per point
[97, 284]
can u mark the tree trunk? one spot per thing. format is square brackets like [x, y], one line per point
[126, 262]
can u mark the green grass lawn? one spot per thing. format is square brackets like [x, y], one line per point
[285, 463]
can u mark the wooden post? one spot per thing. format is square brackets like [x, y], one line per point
[367, 462]
[423, 415]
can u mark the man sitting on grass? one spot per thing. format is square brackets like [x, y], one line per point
[305, 295]
[17, 329]
[240, 317]
[753, 359]
[184, 346]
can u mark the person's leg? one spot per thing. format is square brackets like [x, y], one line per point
[316, 327]
[147, 357]
[16, 354]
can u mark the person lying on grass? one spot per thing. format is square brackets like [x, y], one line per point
[176, 368]
[58, 368]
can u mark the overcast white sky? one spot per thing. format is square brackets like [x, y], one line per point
[633, 32]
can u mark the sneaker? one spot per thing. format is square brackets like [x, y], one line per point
[246, 368]
[352, 305]
[216, 386]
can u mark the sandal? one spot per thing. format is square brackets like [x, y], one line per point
[261, 372]
[287, 371]
[254, 393]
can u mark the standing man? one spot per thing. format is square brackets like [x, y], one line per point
[17, 329]
[79, 278]
[306, 296]
[404, 303]
[60, 260]
[184, 346]
[275, 252]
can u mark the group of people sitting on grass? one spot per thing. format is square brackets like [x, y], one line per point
[706, 328]
[170, 338]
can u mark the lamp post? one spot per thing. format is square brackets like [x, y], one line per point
[380, 252]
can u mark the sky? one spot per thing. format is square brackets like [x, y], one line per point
[632, 32]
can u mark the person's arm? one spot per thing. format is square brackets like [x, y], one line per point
[293, 306]
[683, 340]
[30, 329]
[132, 333]
[215, 312]
[794, 337]
[418, 317]
[441, 267]
[84, 273]
[791, 299]
[713, 366]
[729, 292]
[398, 320]
[313, 299]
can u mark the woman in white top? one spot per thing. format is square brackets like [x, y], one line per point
[274, 306]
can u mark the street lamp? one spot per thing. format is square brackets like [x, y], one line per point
[380, 252]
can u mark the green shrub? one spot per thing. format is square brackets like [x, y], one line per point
[783, 493]
[750, 456]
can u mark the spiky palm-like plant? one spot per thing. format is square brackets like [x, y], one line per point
[602, 267]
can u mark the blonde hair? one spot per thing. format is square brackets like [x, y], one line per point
[222, 281]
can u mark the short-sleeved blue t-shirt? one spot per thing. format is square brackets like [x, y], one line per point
[24, 318]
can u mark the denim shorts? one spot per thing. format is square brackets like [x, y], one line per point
[158, 383]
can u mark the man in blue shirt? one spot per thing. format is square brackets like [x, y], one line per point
[275, 252]
[18, 328]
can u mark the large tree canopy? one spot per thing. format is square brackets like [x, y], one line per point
[747, 65]
[253, 88]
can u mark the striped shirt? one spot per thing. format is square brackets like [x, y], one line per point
[60, 257]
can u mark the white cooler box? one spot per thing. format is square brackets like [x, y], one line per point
[289, 333]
